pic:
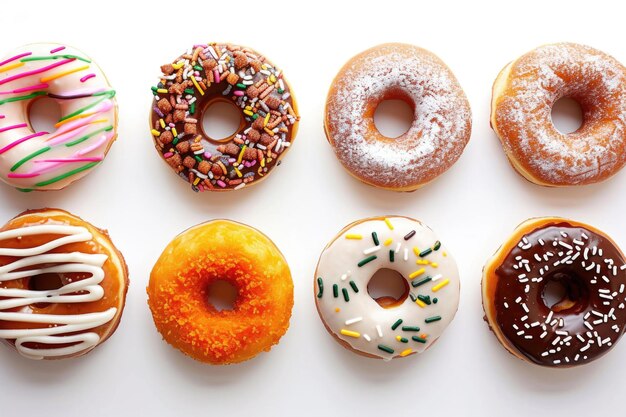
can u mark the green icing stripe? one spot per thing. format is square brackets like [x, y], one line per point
[29, 157]
[26, 97]
[67, 174]
[87, 136]
[42, 58]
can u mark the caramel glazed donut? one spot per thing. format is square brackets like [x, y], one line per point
[440, 130]
[31, 160]
[523, 95]
[386, 328]
[207, 74]
[180, 283]
[590, 316]
[62, 285]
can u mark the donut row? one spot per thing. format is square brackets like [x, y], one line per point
[63, 287]
[205, 74]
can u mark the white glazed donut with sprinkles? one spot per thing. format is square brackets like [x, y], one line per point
[372, 328]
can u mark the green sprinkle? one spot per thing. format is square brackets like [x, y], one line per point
[25, 190]
[198, 158]
[26, 97]
[175, 141]
[280, 91]
[192, 108]
[437, 245]
[255, 116]
[335, 291]
[366, 260]
[435, 300]
[354, 287]
[198, 68]
[84, 138]
[41, 58]
[29, 157]
[413, 297]
[433, 318]
[320, 286]
[385, 348]
[189, 90]
[424, 298]
[425, 252]
[154, 89]
[419, 339]
[239, 85]
[404, 340]
[410, 329]
[421, 282]
[375, 239]
[396, 324]
[67, 174]
[392, 255]
[345, 294]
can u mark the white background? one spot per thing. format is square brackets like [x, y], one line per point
[473, 207]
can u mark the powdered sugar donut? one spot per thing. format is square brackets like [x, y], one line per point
[439, 132]
[521, 106]
[31, 160]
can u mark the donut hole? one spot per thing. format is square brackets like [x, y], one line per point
[43, 114]
[567, 115]
[564, 291]
[45, 282]
[393, 118]
[221, 120]
[388, 288]
[222, 295]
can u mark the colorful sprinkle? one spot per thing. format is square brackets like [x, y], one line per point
[366, 260]
[406, 352]
[320, 286]
[418, 339]
[432, 319]
[354, 287]
[388, 223]
[392, 255]
[423, 281]
[439, 286]
[417, 273]
[350, 333]
[385, 348]
[346, 297]
[410, 329]
[375, 238]
[354, 236]
[396, 324]
[335, 290]
[409, 235]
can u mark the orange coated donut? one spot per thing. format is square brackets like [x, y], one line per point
[62, 285]
[523, 95]
[440, 130]
[221, 250]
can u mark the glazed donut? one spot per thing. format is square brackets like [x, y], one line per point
[31, 160]
[439, 132]
[219, 72]
[585, 321]
[62, 285]
[178, 293]
[386, 328]
[523, 95]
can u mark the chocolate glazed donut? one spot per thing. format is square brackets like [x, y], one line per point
[586, 319]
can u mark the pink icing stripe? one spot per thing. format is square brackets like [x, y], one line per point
[86, 77]
[24, 89]
[4, 129]
[65, 160]
[2, 116]
[97, 144]
[17, 142]
[37, 71]
[15, 57]
[28, 175]
[64, 137]
[60, 48]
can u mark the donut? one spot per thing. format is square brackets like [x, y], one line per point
[521, 106]
[221, 72]
[43, 161]
[179, 290]
[386, 327]
[437, 136]
[62, 285]
[583, 320]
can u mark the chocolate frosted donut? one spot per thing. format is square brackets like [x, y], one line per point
[440, 130]
[216, 72]
[587, 317]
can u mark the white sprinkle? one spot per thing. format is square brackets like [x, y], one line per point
[406, 254]
[506, 305]
[398, 248]
[525, 307]
[353, 320]
[550, 314]
[436, 277]
[565, 245]
[379, 330]
[371, 250]
[367, 337]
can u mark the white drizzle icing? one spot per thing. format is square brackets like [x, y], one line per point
[437, 136]
[36, 261]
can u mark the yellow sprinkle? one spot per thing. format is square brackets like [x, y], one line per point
[156, 132]
[354, 236]
[178, 65]
[196, 181]
[434, 264]
[440, 285]
[388, 242]
[161, 90]
[263, 162]
[193, 80]
[162, 123]
[239, 174]
[264, 66]
[389, 225]
[11, 66]
[416, 251]
[406, 352]
[417, 273]
[174, 132]
[62, 74]
[337, 309]
[240, 157]
[444, 254]
[248, 112]
[350, 333]
[269, 132]
[267, 119]
[422, 262]
[420, 303]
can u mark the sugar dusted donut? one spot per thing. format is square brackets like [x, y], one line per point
[386, 328]
[588, 316]
[437, 136]
[219, 72]
[523, 95]
[82, 137]
[221, 250]
[62, 285]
